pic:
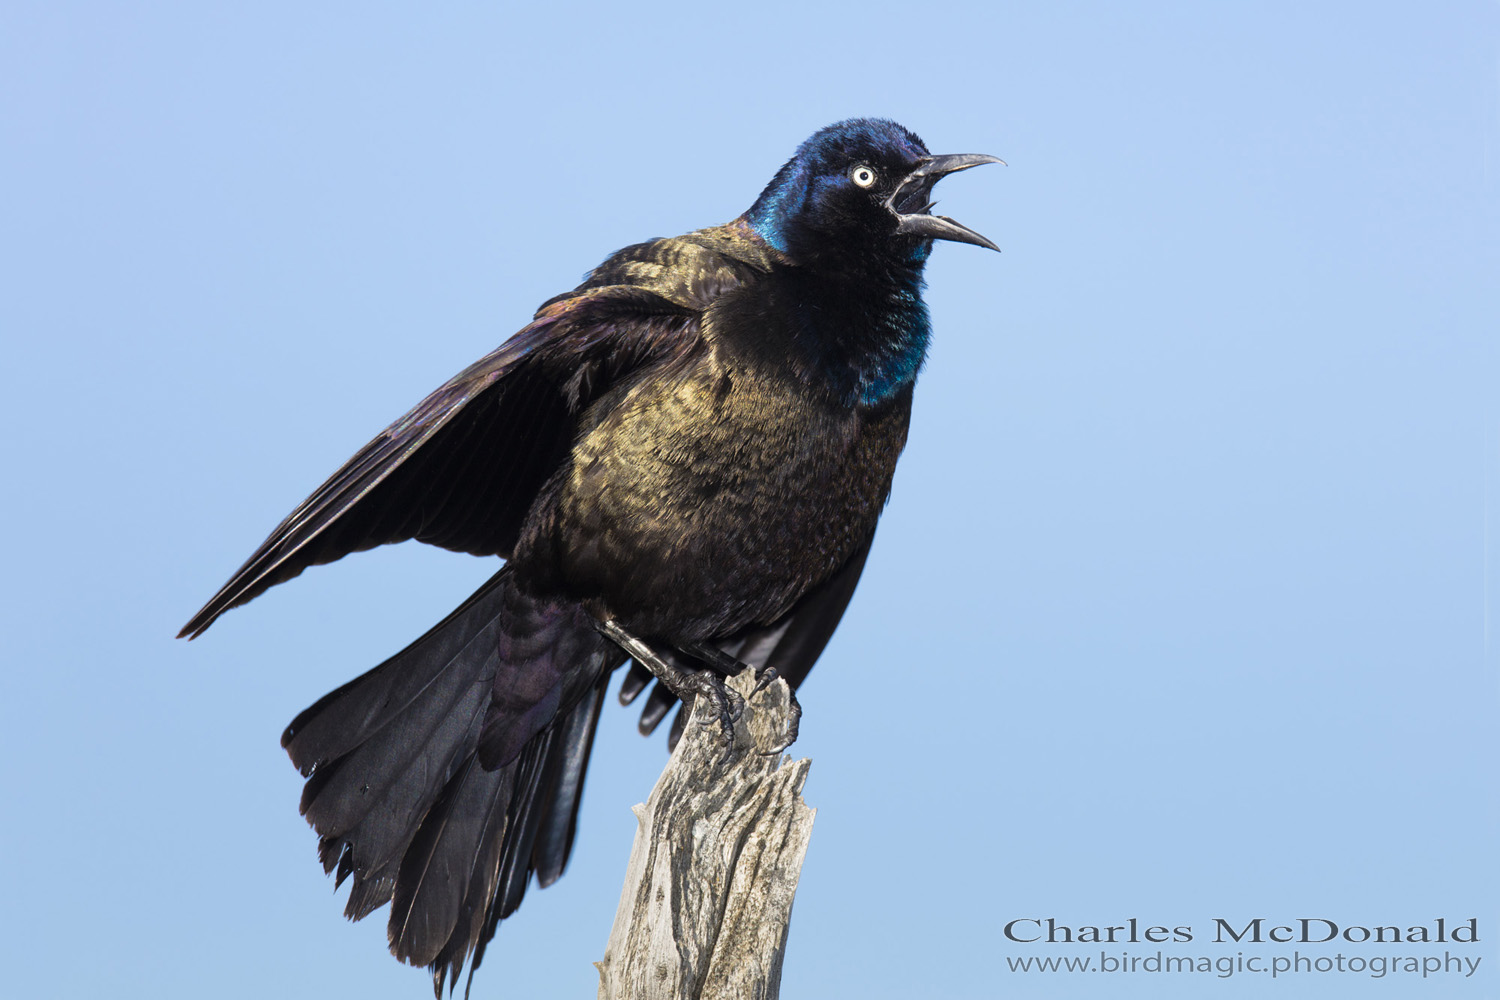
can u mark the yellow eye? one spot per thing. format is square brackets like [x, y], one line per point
[862, 175]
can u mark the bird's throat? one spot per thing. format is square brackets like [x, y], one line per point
[864, 341]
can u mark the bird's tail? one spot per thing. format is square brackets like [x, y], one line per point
[442, 779]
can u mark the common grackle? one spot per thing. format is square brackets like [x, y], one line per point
[682, 462]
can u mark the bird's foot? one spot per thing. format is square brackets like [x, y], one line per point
[765, 676]
[688, 683]
[724, 701]
[685, 682]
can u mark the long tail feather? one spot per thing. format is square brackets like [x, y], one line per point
[442, 779]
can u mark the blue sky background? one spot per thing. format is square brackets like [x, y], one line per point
[1184, 606]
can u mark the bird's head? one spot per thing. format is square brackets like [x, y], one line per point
[857, 187]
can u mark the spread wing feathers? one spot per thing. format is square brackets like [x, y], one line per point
[399, 790]
[791, 644]
[462, 468]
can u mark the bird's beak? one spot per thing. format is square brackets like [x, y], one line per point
[910, 202]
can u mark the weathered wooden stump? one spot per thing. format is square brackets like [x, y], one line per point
[708, 892]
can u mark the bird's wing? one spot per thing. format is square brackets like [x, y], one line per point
[791, 644]
[461, 469]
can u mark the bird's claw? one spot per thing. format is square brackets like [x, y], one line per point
[721, 663]
[764, 678]
[725, 703]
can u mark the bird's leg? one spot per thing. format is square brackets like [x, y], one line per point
[684, 682]
[765, 676]
[715, 659]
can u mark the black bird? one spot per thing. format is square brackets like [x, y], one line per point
[682, 462]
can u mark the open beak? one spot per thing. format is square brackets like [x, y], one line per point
[911, 201]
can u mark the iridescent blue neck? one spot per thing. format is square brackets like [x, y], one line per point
[775, 211]
[864, 342]
[899, 347]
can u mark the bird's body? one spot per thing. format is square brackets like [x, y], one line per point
[690, 452]
[706, 495]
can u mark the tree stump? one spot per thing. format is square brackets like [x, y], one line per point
[708, 891]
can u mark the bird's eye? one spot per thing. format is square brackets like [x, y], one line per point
[862, 175]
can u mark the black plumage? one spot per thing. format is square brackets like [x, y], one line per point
[690, 451]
